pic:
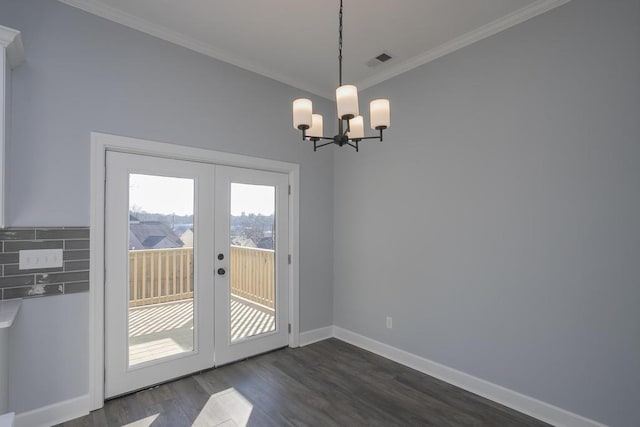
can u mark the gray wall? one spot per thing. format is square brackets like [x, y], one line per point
[499, 223]
[83, 74]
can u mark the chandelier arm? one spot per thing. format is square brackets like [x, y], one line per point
[316, 145]
[379, 137]
[366, 137]
[355, 146]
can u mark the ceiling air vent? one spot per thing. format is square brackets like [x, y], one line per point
[383, 57]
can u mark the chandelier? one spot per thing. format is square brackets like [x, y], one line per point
[350, 122]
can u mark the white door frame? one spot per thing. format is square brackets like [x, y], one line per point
[100, 144]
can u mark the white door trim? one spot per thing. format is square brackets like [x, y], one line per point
[100, 144]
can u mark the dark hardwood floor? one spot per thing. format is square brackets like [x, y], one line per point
[329, 383]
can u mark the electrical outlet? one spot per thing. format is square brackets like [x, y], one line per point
[40, 258]
[389, 322]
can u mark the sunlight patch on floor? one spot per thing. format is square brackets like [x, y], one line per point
[145, 422]
[226, 408]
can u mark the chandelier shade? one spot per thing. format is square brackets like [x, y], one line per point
[315, 131]
[350, 122]
[380, 114]
[302, 116]
[347, 100]
[356, 128]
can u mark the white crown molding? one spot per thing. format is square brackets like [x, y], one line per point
[527, 405]
[537, 8]
[112, 14]
[11, 40]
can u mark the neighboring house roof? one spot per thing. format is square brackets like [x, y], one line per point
[182, 228]
[165, 243]
[152, 235]
[265, 243]
[245, 243]
[134, 243]
[152, 241]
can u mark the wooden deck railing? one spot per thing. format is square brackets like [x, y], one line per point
[163, 275]
[253, 274]
[160, 275]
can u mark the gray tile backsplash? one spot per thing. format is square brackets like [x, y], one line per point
[68, 255]
[20, 245]
[62, 233]
[73, 277]
[18, 234]
[74, 266]
[10, 258]
[50, 278]
[76, 244]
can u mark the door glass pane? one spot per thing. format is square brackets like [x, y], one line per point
[252, 254]
[161, 291]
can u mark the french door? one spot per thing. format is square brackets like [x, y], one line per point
[251, 298]
[196, 267]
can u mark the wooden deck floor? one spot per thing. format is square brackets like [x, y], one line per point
[329, 383]
[161, 330]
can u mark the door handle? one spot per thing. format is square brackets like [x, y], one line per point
[221, 271]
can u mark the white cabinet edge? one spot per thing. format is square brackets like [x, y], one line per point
[11, 40]
[6, 420]
[8, 311]
[12, 53]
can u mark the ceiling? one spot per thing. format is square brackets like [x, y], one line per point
[296, 41]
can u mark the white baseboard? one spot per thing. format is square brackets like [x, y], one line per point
[514, 400]
[54, 414]
[315, 335]
[77, 407]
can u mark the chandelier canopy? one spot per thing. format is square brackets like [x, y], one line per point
[350, 122]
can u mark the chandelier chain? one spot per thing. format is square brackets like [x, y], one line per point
[340, 44]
